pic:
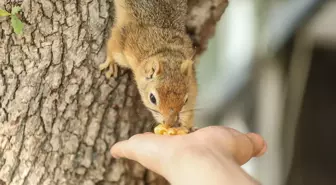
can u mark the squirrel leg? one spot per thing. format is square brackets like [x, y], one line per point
[114, 55]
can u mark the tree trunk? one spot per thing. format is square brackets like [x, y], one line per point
[59, 115]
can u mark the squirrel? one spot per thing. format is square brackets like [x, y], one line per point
[149, 37]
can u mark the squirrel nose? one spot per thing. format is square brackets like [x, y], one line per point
[171, 111]
[172, 117]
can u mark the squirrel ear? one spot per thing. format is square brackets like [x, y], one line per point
[153, 69]
[186, 67]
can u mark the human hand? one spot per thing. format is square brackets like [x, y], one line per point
[189, 157]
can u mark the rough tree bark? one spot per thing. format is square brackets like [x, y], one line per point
[59, 116]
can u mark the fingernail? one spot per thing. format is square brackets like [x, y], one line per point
[262, 152]
[114, 155]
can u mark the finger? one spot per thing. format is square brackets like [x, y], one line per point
[260, 145]
[257, 152]
[147, 149]
[128, 148]
[247, 146]
[234, 132]
[221, 130]
[145, 133]
[118, 149]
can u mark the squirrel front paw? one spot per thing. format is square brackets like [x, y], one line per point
[113, 68]
[193, 129]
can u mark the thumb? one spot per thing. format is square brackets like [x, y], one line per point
[248, 146]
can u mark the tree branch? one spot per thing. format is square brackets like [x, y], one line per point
[202, 19]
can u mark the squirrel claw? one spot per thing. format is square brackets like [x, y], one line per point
[108, 74]
[104, 65]
[113, 68]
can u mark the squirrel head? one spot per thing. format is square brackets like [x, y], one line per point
[168, 88]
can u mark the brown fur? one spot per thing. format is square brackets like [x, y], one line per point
[149, 37]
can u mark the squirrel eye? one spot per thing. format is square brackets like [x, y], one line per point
[152, 98]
